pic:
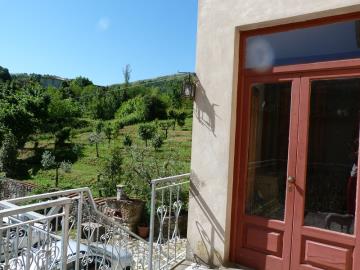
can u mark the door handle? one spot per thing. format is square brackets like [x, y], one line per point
[291, 179]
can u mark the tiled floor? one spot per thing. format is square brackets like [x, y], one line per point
[187, 265]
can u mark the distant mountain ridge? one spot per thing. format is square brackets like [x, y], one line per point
[161, 82]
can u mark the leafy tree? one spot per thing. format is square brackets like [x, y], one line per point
[4, 74]
[127, 140]
[95, 138]
[109, 132]
[77, 85]
[111, 172]
[49, 161]
[22, 111]
[127, 73]
[180, 120]
[8, 155]
[166, 125]
[61, 111]
[146, 132]
[99, 127]
[154, 108]
[176, 98]
[61, 136]
[157, 142]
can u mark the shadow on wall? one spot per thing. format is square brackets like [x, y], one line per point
[204, 109]
[204, 252]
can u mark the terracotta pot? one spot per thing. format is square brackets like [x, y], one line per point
[143, 231]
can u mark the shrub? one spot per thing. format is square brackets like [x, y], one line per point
[157, 142]
[127, 140]
[181, 119]
[119, 125]
[142, 108]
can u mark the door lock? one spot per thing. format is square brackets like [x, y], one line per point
[291, 179]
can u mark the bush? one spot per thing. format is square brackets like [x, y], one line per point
[146, 132]
[181, 119]
[142, 108]
[127, 140]
[157, 142]
[154, 108]
[131, 111]
[119, 125]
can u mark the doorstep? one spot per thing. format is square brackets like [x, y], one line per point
[188, 265]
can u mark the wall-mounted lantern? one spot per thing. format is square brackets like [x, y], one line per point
[189, 86]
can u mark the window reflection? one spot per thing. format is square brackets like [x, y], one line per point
[268, 149]
[332, 154]
[319, 43]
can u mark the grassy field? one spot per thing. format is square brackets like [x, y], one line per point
[85, 168]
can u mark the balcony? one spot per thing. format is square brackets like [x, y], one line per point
[68, 230]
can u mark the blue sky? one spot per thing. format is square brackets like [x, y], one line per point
[97, 38]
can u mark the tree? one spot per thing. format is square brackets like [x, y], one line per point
[166, 125]
[127, 73]
[95, 138]
[61, 136]
[8, 155]
[111, 172]
[22, 110]
[4, 74]
[154, 108]
[48, 161]
[157, 142]
[109, 132]
[180, 120]
[146, 132]
[127, 140]
[99, 127]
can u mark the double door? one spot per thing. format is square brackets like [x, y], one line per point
[298, 140]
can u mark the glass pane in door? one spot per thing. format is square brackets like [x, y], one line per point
[332, 154]
[268, 149]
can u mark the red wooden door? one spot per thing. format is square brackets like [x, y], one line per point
[270, 131]
[324, 224]
[298, 152]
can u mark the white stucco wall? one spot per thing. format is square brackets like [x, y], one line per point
[214, 116]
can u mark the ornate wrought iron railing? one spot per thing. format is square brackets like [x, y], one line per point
[168, 221]
[65, 230]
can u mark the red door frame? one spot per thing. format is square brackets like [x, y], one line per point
[300, 231]
[292, 71]
[278, 229]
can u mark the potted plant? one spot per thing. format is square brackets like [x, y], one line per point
[143, 227]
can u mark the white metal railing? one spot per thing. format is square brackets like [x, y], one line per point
[168, 196]
[65, 230]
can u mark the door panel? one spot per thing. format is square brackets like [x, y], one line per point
[325, 190]
[299, 177]
[271, 155]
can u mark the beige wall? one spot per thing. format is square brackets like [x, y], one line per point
[214, 116]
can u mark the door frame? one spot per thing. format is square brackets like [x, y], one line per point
[284, 226]
[305, 73]
[301, 231]
[242, 107]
